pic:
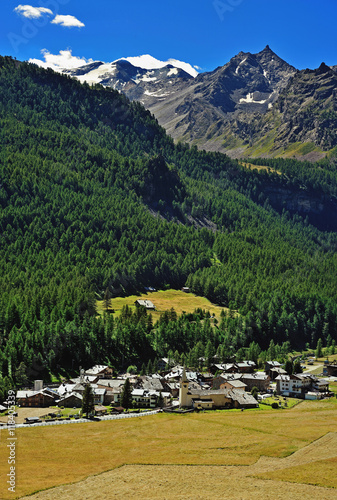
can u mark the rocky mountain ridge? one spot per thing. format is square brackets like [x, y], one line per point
[255, 105]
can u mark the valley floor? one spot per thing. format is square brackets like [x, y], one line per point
[269, 478]
[270, 454]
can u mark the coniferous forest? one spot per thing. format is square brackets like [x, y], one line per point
[94, 196]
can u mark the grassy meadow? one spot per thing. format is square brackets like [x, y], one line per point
[259, 167]
[53, 456]
[164, 300]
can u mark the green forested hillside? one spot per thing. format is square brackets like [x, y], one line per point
[95, 196]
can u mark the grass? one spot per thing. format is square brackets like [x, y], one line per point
[318, 473]
[259, 167]
[291, 402]
[63, 412]
[58, 455]
[164, 300]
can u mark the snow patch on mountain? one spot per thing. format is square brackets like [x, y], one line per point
[148, 62]
[237, 69]
[250, 99]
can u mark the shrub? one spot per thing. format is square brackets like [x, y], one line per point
[274, 405]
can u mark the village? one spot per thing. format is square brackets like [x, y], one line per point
[175, 388]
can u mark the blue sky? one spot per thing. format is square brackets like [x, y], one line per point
[204, 33]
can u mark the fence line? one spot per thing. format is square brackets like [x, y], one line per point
[84, 420]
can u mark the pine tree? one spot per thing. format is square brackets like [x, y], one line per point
[107, 300]
[289, 367]
[149, 368]
[87, 401]
[254, 392]
[297, 367]
[126, 395]
[319, 351]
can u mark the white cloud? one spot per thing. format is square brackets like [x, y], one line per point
[63, 60]
[32, 12]
[148, 62]
[68, 21]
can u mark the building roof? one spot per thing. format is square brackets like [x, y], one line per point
[273, 364]
[280, 371]
[96, 370]
[232, 376]
[29, 394]
[254, 376]
[138, 392]
[69, 395]
[321, 382]
[150, 383]
[243, 398]
[224, 366]
[113, 382]
[99, 392]
[246, 364]
[236, 383]
[145, 303]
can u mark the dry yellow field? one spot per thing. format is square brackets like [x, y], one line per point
[250, 454]
[164, 300]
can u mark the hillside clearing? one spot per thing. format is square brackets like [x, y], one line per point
[259, 167]
[164, 300]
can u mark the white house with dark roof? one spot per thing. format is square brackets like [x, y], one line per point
[145, 303]
[293, 385]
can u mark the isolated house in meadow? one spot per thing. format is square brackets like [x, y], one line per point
[145, 303]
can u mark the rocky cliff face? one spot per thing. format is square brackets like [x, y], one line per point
[308, 109]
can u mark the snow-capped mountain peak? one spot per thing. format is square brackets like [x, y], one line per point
[148, 62]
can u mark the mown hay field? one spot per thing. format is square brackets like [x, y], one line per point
[164, 300]
[60, 455]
